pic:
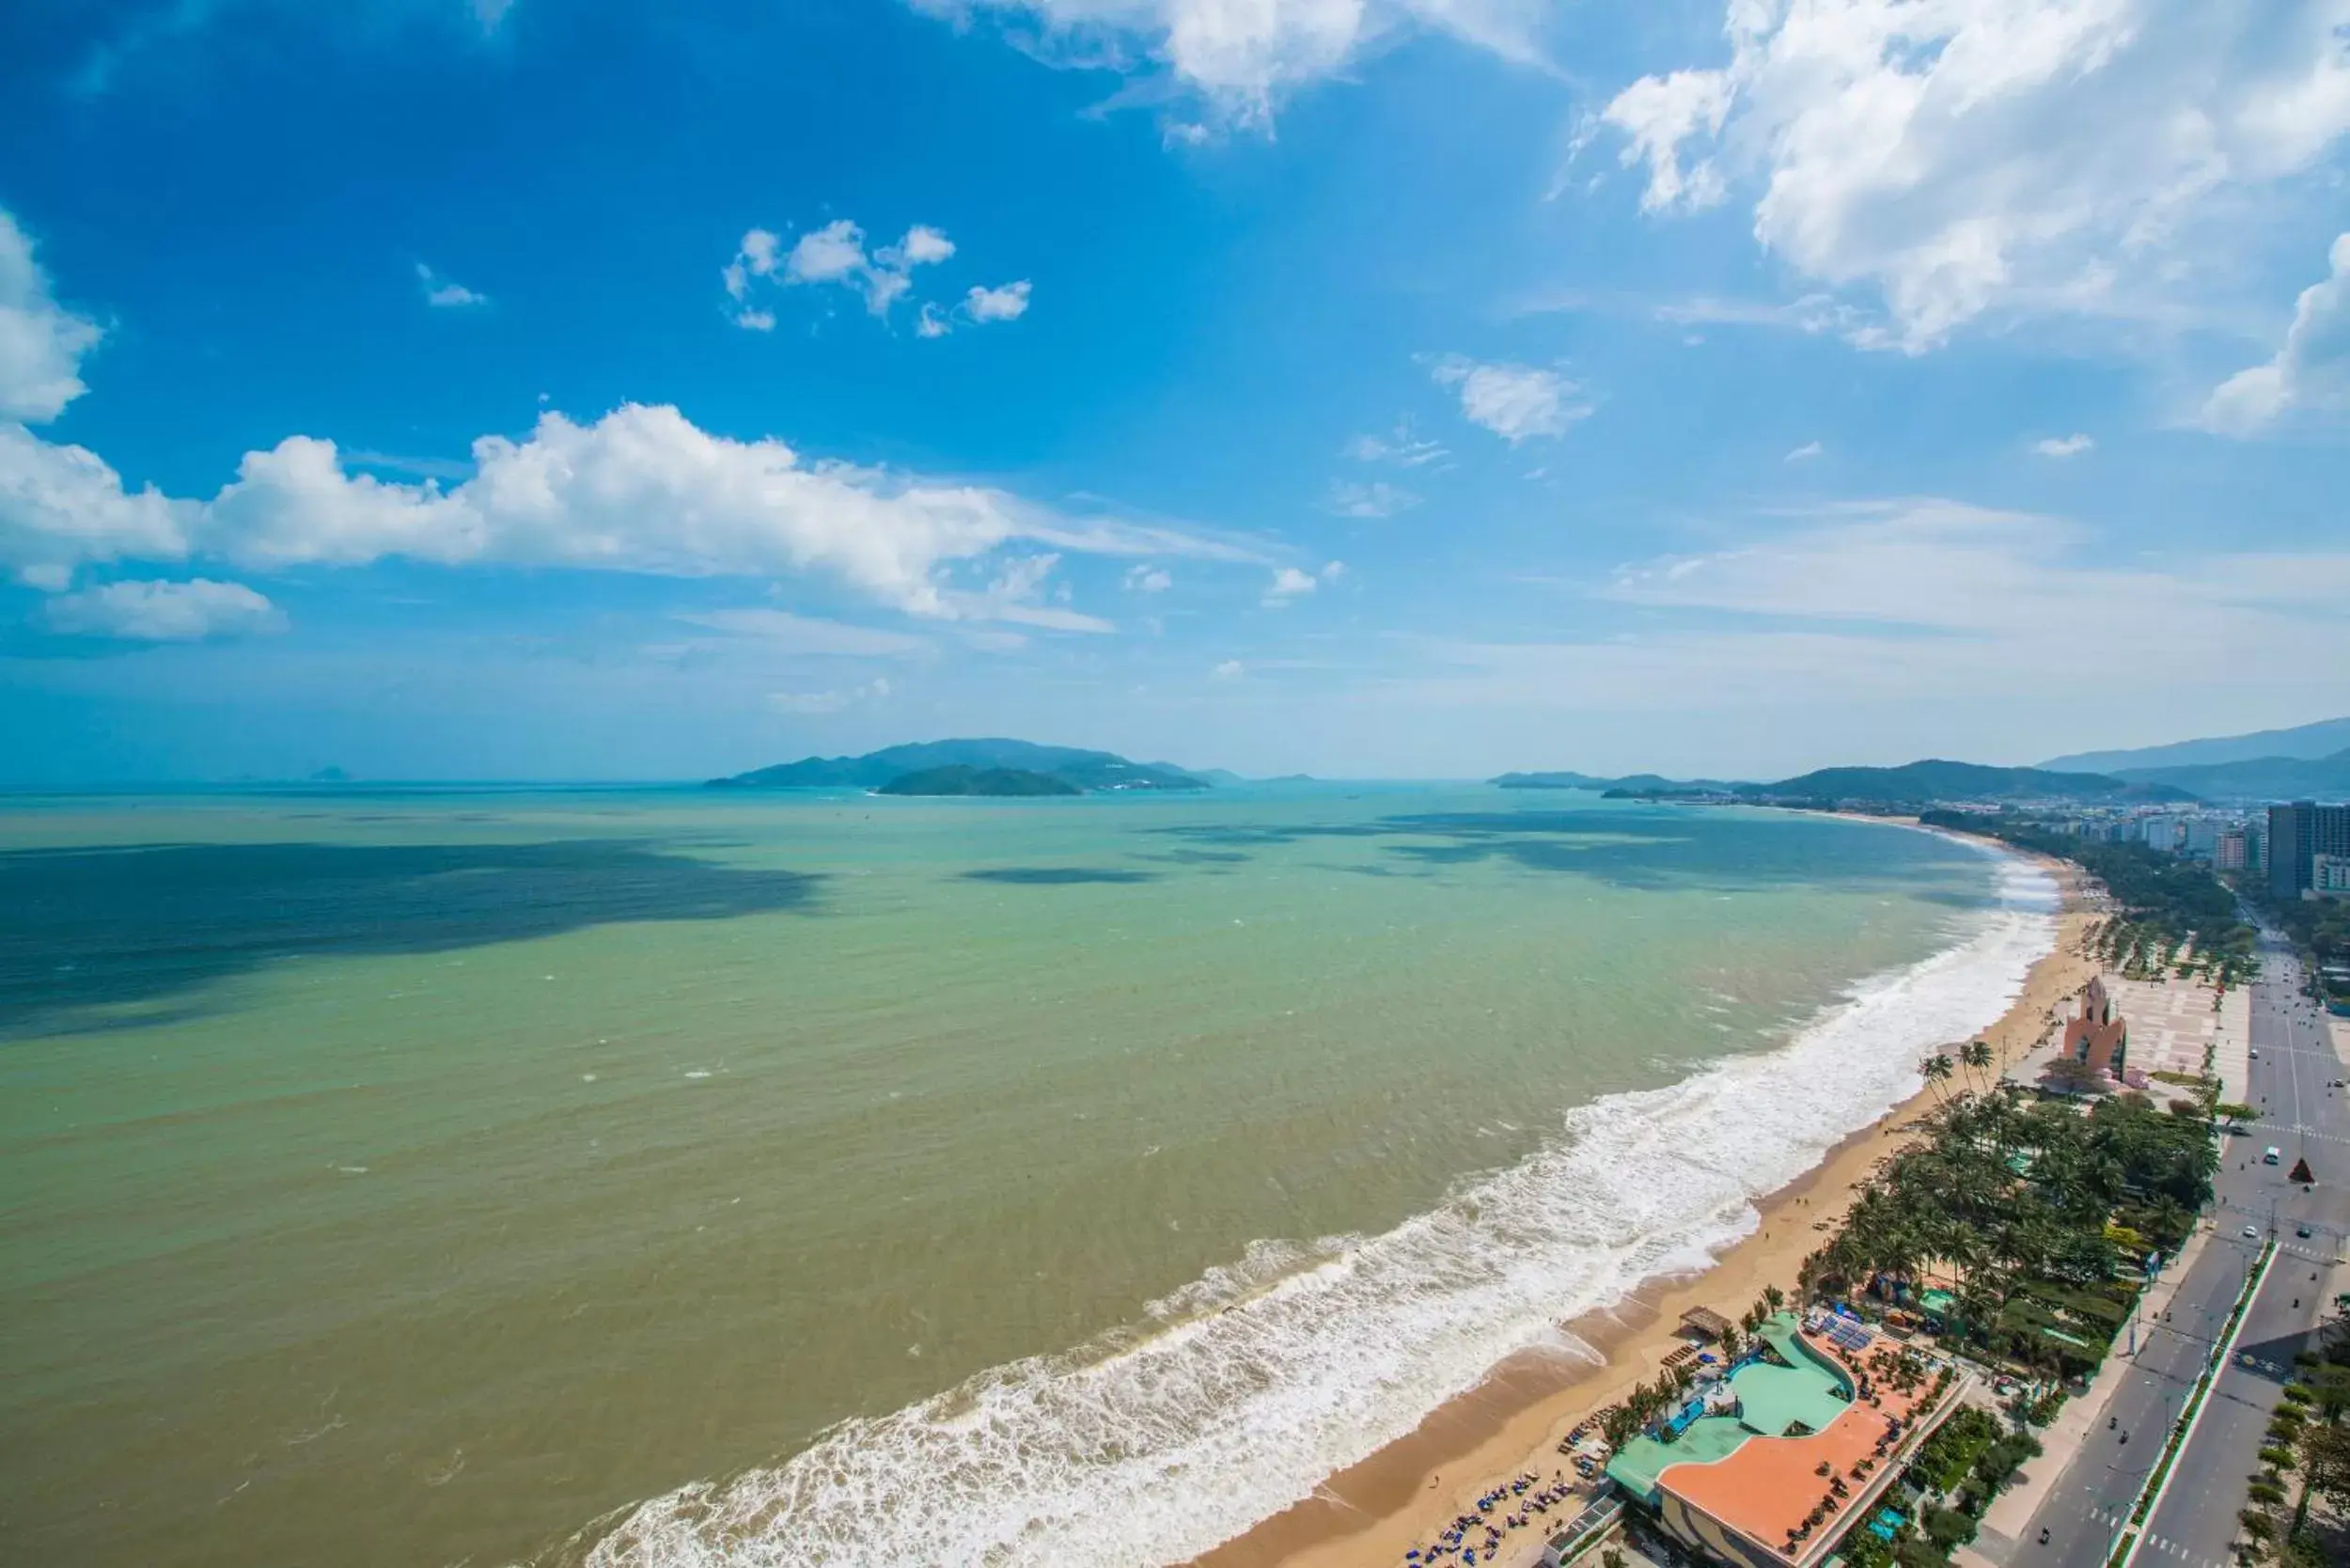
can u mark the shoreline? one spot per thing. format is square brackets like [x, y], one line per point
[1402, 1496]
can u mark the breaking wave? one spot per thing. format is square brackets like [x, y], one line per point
[1241, 1392]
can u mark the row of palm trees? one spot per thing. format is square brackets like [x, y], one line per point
[2007, 1192]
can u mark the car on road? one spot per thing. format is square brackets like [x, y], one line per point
[2302, 1232]
[2252, 1230]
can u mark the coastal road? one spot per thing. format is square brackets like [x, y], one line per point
[2086, 1507]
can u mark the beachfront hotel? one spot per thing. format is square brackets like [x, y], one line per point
[1773, 1458]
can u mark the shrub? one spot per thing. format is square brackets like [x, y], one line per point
[1947, 1527]
[2278, 1459]
[2267, 1492]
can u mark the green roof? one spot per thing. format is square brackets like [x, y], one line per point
[1771, 1400]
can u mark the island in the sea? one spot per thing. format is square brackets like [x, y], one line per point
[1080, 771]
[959, 779]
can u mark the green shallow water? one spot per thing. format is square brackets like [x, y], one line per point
[409, 1179]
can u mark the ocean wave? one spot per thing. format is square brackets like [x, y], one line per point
[1239, 1393]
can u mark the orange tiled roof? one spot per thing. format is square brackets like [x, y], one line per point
[1769, 1485]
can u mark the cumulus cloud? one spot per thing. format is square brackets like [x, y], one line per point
[444, 294]
[2019, 155]
[2309, 369]
[837, 255]
[1514, 402]
[1146, 578]
[643, 490]
[2062, 445]
[1007, 304]
[1230, 670]
[1241, 57]
[41, 343]
[164, 612]
[1288, 583]
[1378, 498]
[1806, 452]
[62, 506]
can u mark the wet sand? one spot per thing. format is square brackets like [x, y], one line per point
[1402, 1496]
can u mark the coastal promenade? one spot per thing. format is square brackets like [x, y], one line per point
[2086, 1507]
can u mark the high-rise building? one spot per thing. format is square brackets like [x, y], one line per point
[2162, 834]
[2298, 834]
[2231, 852]
[2329, 875]
[2203, 836]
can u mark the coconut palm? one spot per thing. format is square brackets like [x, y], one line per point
[1977, 1055]
[1937, 1071]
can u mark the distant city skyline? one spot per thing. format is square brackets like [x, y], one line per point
[1411, 388]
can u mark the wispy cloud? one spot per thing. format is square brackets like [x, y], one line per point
[444, 294]
[2062, 445]
[1516, 402]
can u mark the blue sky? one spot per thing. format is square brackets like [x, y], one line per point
[568, 389]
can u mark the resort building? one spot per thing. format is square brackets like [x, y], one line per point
[1773, 1457]
[2098, 1035]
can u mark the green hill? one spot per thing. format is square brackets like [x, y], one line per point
[1937, 779]
[957, 779]
[1080, 770]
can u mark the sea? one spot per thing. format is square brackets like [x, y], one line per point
[455, 1178]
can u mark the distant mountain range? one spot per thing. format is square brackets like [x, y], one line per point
[2304, 743]
[1913, 783]
[2257, 779]
[1079, 770]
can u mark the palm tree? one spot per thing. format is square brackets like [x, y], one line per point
[1977, 1055]
[1937, 1071]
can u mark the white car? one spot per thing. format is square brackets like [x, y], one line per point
[2252, 1230]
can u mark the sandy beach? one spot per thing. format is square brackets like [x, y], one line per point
[1401, 1497]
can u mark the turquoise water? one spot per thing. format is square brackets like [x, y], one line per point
[424, 1177]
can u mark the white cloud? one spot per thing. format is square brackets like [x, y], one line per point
[1956, 157]
[164, 612]
[1403, 447]
[1146, 578]
[642, 489]
[62, 506]
[921, 247]
[2062, 445]
[1007, 304]
[1230, 670]
[826, 255]
[1514, 402]
[1333, 570]
[1657, 114]
[2310, 368]
[1288, 583]
[1243, 56]
[1375, 499]
[41, 343]
[445, 294]
[837, 255]
[1804, 453]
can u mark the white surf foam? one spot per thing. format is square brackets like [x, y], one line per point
[1248, 1387]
